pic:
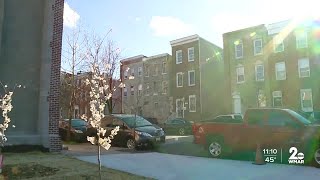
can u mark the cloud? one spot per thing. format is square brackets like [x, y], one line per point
[169, 26]
[70, 16]
[138, 18]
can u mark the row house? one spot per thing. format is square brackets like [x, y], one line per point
[197, 79]
[274, 65]
[146, 86]
[132, 78]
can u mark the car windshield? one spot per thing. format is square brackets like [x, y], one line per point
[133, 121]
[78, 122]
[299, 117]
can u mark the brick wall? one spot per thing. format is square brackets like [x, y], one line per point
[56, 44]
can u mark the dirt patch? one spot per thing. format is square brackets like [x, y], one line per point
[27, 170]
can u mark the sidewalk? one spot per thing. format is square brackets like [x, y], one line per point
[172, 167]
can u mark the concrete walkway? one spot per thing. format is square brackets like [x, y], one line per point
[173, 167]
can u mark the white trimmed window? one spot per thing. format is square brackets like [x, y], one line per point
[132, 72]
[179, 79]
[238, 46]
[240, 74]
[140, 90]
[179, 57]
[147, 90]
[301, 39]
[155, 88]
[164, 87]
[304, 67]
[257, 46]
[191, 78]
[125, 92]
[132, 90]
[191, 54]
[278, 45]
[277, 98]
[281, 71]
[146, 70]
[140, 71]
[306, 100]
[156, 69]
[192, 103]
[164, 67]
[179, 108]
[125, 74]
[259, 72]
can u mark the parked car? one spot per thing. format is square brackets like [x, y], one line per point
[75, 134]
[177, 126]
[152, 120]
[270, 127]
[79, 125]
[135, 132]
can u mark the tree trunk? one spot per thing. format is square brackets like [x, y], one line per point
[99, 161]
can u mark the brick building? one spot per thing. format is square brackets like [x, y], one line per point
[197, 79]
[274, 65]
[30, 54]
[132, 77]
[156, 87]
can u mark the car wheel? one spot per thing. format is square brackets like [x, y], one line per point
[215, 148]
[131, 144]
[182, 131]
[317, 158]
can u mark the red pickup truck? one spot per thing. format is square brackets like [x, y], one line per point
[270, 127]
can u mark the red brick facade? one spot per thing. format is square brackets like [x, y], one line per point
[55, 44]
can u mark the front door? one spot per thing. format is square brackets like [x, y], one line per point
[180, 108]
[236, 104]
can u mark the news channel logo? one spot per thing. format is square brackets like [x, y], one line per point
[296, 157]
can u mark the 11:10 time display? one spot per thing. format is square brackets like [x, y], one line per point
[270, 151]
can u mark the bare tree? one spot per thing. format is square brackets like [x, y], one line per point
[73, 61]
[103, 52]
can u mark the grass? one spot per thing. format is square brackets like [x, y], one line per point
[37, 165]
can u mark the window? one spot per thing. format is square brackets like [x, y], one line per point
[278, 45]
[306, 100]
[146, 70]
[304, 68]
[191, 54]
[164, 87]
[155, 88]
[179, 79]
[255, 117]
[125, 92]
[301, 39]
[156, 69]
[277, 118]
[192, 103]
[147, 90]
[179, 57]
[164, 67]
[140, 90]
[259, 72]
[125, 74]
[280, 71]
[191, 78]
[257, 46]
[132, 90]
[132, 72]
[240, 74]
[262, 99]
[277, 98]
[238, 49]
[156, 105]
[140, 71]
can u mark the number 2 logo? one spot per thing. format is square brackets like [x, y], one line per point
[294, 153]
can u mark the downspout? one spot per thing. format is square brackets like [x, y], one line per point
[200, 71]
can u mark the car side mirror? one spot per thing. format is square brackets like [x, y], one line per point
[124, 126]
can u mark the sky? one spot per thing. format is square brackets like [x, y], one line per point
[147, 26]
